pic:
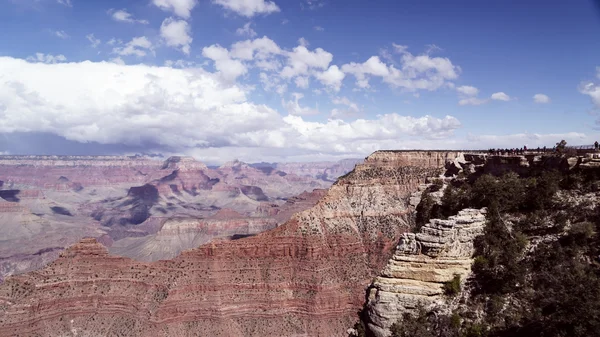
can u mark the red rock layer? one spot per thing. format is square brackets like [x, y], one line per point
[305, 278]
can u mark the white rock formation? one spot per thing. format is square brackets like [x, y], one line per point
[422, 263]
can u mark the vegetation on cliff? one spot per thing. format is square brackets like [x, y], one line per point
[536, 269]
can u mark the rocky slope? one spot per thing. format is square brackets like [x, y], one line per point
[305, 278]
[422, 263]
[50, 202]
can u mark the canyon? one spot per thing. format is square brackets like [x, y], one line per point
[306, 277]
[135, 204]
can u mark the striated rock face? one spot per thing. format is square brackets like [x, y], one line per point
[415, 274]
[305, 278]
[51, 202]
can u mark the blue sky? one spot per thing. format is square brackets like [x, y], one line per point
[295, 80]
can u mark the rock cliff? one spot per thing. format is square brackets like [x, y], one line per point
[305, 278]
[415, 274]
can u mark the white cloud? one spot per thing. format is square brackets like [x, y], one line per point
[331, 78]
[301, 82]
[114, 41]
[293, 107]
[261, 49]
[65, 3]
[182, 8]
[373, 66]
[179, 109]
[246, 30]
[193, 111]
[285, 21]
[248, 8]
[500, 96]
[303, 42]
[47, 58]
[122, 15]
[422, 72]
[176, 33]
[300, 60]
[467, 90]
[93, 40]
[593, 90]
[541, 98]
[312, 4]
[432, 48]
[271, 83]
[104, 102]
[228, 68]
[117, 60]
[410, 73]
[179, 64]
[413, 73]
[61, 34]
[138, 46]
[472, 101]
[399, 48]
[319, 28]
[351, 108]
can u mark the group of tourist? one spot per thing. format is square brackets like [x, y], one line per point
[518, 151]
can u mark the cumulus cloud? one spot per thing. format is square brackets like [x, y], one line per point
[468, 96]
[246, 30]
[122, 15]
[93, 40]
[248, 8]
[319, 28]
[61, 34]
[117, 104]
[467, 90]
[182, 8]
[293, 107]
[331, 78]
[500, 96]
[373, 67]
[413, 73]
[541, 98]
[47, 58]
[177, 34]
[300, 60]
[228, 68]
[138, 46]
[277, 65]
[183, 110]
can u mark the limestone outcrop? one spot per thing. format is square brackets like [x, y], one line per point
[422, 262]
[306, 277]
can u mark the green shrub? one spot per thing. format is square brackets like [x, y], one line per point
[452, 287]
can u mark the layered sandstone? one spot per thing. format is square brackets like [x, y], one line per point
[51, 202]
[304, 278]
[422, 263]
